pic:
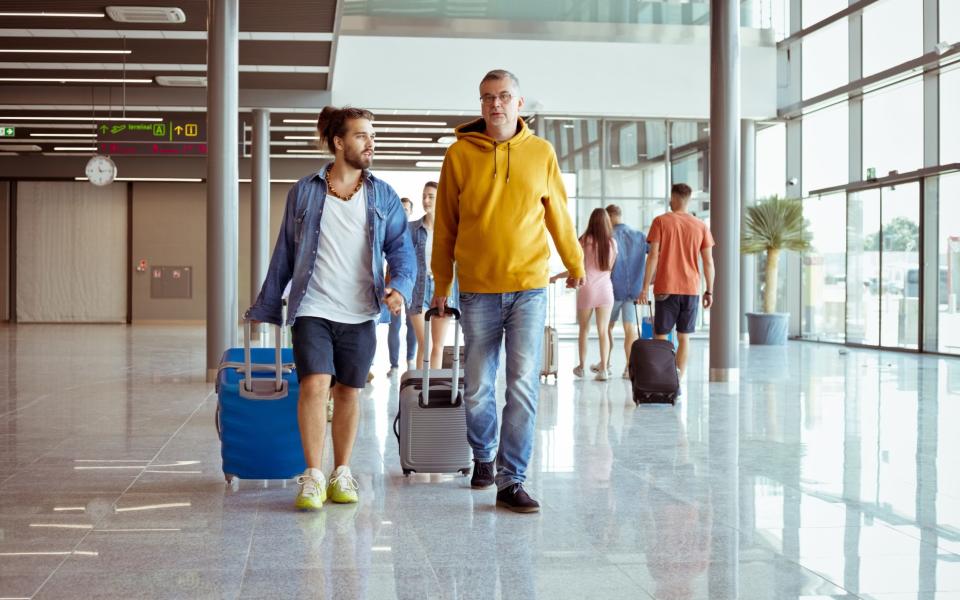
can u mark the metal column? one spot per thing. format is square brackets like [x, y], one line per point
[748, 197]
[260, 203]
[223, 212]
[724, 187]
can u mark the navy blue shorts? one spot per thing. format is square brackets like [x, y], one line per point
[342, 350]
[676, 310]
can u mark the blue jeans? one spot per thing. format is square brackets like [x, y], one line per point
[393, 340]
[487, 320]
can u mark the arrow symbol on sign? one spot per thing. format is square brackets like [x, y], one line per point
[104, 129]
[178, 129]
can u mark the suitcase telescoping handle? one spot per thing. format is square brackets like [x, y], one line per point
[262, 388]
[637, 311]
[455, 384]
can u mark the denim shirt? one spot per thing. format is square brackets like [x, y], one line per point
[627, 275]
[295, 254]
[419, 234]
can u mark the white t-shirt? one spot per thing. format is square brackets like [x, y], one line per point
[341, 286]
[428, 251]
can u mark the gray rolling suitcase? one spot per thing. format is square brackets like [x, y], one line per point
[551, 340]
[431, 425]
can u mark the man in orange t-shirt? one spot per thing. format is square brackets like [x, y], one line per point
[678, 241]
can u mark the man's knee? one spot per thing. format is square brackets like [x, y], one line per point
[314, 387]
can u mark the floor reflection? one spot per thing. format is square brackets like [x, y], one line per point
[827, 473]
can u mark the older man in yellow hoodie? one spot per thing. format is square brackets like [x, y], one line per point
[500, 195]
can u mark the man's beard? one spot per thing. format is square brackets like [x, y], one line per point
[356, 159]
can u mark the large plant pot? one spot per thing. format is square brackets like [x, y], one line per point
[768, 329]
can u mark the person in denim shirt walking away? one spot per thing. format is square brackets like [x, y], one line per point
[421, 232]
[627, 278]
[500, 194]
[338, 225]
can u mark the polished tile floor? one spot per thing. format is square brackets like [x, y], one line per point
[827, 473]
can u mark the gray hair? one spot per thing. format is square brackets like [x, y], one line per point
[498, 74]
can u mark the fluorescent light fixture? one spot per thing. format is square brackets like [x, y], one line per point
[74, 149]
[51, 51]
[166, 179]
[52, 14]
[402, 139]
[382, 123]
[66, 508]
[447, 139]
[61, 525]
[427, 164]
[66, 553]
[63, 135]
[410, 144]
[301, 137]
[248, 180]
[419, 123]
[20, 148]
[87, 119]
[70, 80]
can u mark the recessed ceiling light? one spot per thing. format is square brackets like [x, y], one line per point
[447, 139]
[70, 80]
[88, 119]
[51, 14]
[146, 14]
[51, 51]
[181, 80]
[427, 164]
[301, 137]
[300, 121]
[74, 148]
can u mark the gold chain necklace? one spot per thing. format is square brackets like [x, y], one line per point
[332, 191]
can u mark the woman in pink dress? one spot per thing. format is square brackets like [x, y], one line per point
[596, 294]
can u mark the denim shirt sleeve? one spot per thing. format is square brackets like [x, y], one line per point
[398, 248]
[268, 307]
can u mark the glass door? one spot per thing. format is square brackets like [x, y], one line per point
[883, 266]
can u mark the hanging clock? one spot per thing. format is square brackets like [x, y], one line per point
[101, 170]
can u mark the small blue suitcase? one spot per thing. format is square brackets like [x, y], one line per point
[646, 326]
[257, 392]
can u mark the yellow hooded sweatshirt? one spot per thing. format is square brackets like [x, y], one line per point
[495, 204]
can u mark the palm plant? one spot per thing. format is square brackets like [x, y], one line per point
[771, 226]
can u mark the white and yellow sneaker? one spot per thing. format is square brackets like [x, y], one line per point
[312, 490]
[343, 487]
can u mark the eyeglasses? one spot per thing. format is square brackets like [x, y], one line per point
[504, 97]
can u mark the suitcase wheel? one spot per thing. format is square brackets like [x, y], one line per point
[465, 471]
[406, 472]
[229, 477]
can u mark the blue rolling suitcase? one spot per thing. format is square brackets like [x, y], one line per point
[257, 392]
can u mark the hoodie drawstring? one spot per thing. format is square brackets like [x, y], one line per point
[508, 162]
[495, 161]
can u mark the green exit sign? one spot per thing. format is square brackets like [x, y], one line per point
[7, 131]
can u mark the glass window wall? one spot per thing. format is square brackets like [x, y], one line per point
[948, 285]
[892, 34]
[949, 21]
[817, 10]
[949, 115]
[824, 65]
[825, 269]
[771, 153]
[893, 128]
[825, 148]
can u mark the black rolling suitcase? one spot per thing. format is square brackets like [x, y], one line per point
[653, 370]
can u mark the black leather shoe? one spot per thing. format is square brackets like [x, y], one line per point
[517, 499]
[482, 475]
